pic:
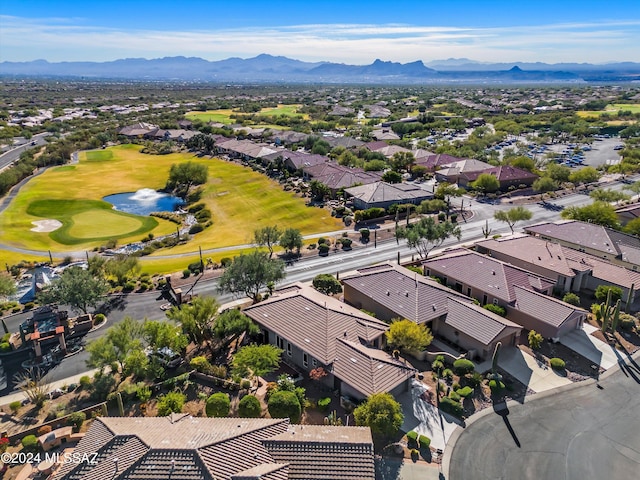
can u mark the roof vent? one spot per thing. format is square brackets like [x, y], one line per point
[388, 293]
[539, 259]
[433, 305]
[345, 334]
[406, 293]
[493, 272]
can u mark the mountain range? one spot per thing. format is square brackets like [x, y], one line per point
[266, 68]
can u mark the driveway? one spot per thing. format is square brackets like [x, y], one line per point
[585, 432]
[582, 342]
[528, 371]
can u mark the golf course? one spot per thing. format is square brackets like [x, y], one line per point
[224, 116]
[67, 200]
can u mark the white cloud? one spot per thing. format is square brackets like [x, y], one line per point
[63, 40]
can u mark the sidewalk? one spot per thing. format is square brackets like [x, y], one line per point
[582, 342]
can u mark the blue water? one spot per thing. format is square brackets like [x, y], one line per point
[143, 202]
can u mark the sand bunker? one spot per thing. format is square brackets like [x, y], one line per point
[46, 225]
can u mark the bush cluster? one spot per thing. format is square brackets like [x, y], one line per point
[557, 363]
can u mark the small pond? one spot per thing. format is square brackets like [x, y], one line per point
[143, 202]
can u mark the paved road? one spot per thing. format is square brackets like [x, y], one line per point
[12, 155]
[582, 433]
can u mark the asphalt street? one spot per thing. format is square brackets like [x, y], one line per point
[583, 432]
[12, 155]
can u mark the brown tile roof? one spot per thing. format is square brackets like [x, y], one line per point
[485, 273]
[324, 452]
[590, 235]
[477, 322]
[407, 294]
[179, 448]
[437, 160]
[536, 251]
[603, 270]
[313, 322]
[369, 370]
[380, 192]
[504, 173]
[547, 309]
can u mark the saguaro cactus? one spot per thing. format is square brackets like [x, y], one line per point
[609, 314]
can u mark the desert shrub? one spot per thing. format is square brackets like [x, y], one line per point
[442, 217]
[322, 241]
[412, 438]
[497, 309]
[474, 379]
[464, 392]
[462, 366]
[323, 403]
[226, 261]
[323, 249]
[130, 286]
[143, 393]
[99, 318]
[102, 387]
[572, 299]
[196, 208]
[5, 347]
[424, 441]
[186, 273]
[15, 406]
[249, 407]
[535, 339]
[454, 396]
[283, 404]
[346, 243]
[603, 290]
[495, 386]
[219, 371]
[327, 284]
[245, 384]
[30, 443]
[76, 419]
[365, 234]
[196, 228]
[451, 406]
[172, 402]
[203, 215]
[218, 405]
[557, 363]
[43, 430]
[447, 373]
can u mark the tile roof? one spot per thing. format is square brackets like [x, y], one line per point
[319, 452]
[313, 322]
[241, 449]
[386, 192]
[369, 370]
[406, 293]
[485, 273]
[434, 161]
[463, 166]
[535, 251]
[603, 270]
[547, 309]
[504, 173]
[477, 322]
[590, 235]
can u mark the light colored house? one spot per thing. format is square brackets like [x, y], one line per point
[184, 447]
[507, 175]
[383, 194]
[451, 173]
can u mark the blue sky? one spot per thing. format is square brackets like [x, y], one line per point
[341, 31]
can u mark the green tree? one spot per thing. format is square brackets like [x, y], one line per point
[218, 405]
[291, 239]
[7, 285]
[231, 324]
[75, 287]
[601, 213]
[534, 339]
[267, 236]
[319, 190]
[559, 173]
[182, 176]
[513, 216]
[603, 290]
[250, 273]
[172, 402]
[159, 334]
[256, 360]
[426, 234]
[249, 407]
[486, 183]
[196, 318]
[122, 267]
[116, 345]
[545, 184]
[407, 336]
[327, 284]
[633, 227]
[391, 177]
[402, 161]
[633, 187]
[584, 175]
[381, 413]
[607, 195]
[572, 299]
[446, 191]
[285, 404]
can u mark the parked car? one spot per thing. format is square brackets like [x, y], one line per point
[166, 357]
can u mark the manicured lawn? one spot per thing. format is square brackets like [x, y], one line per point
[611, 109]
[11, 258]
[224, 116]
[240, 199]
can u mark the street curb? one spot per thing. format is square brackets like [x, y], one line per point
[446, 458]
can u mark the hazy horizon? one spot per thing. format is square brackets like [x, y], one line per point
[343, 32]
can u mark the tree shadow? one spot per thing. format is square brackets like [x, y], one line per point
[632, 370]
[502, 410]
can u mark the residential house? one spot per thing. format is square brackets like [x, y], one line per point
[383, 195]
[392, 291]
[523, 294]
[337, 176]
[183, 447]
[295, 160]
[436, 161]
[573, 271]
[137, 130]
[628, 213]
[384, 134]
[603, 242]
[315, 330]
[507, 175]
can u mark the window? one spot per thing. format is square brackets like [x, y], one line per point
[289, 349]
[495, 301]
[468, 291]
[279, 342]
[314, 362]
[305, 360]
[485, 299]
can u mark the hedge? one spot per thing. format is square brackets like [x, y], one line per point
[451, 406]
[462, 366]
[424, 441]
[218, 405]
[249, 407]
[465, 391]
